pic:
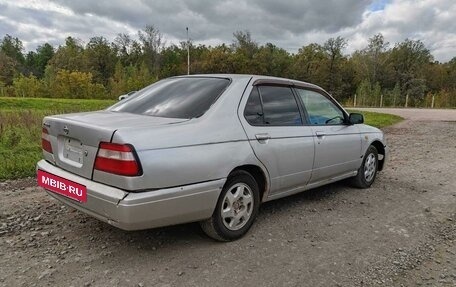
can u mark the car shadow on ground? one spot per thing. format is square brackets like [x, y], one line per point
[191, 233]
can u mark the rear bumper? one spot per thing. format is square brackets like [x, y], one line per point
[142, 210]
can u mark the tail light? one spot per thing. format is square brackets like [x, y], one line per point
[45, 142]
[118, 159]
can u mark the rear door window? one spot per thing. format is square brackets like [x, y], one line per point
[279, 106]
[253, 112]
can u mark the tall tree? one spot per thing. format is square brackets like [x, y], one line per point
[244, 48]
[408, 59]
[152, 44]
[375, 52]
[36, 62]
[333, 48]
[69, 57]
[7, 69]
[173, 61]
[128, 50]
[217, 60]
[308, 64]
[451, 81]
[244, 43]
[272, 61]
[101, 59]
[44, 54]
[13, 48]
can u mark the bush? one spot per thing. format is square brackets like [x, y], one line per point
[76, 85]
[29, 87]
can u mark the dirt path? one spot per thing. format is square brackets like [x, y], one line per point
[400, 232]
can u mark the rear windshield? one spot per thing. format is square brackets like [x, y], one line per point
[184, 98]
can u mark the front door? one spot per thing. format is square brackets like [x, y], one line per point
[337, 144]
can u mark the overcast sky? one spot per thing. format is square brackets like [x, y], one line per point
[289, 24]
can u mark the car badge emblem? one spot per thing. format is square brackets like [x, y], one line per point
[66, 130]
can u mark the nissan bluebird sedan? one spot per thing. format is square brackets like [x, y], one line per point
[207, 148]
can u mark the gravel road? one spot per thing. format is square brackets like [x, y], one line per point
[417, 114]
[400, 232]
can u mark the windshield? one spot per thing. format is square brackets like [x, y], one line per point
[174, 98]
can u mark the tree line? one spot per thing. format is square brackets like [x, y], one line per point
[381, 73]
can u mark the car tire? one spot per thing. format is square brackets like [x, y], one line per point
[236, 209]
[368, 170]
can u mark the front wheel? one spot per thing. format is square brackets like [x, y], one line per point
[368, 170]
[236, 208]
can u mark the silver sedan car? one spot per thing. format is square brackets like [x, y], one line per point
[207, 148]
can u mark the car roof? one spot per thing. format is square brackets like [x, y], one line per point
[258, 79]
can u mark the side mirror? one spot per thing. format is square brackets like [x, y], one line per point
[355, 118]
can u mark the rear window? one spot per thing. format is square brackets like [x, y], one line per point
[174, 98]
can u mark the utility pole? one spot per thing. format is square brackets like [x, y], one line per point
[188, 54]
[354, 101]
[406, 100]
[381, 100]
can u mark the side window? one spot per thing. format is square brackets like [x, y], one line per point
[253, 112]
[279, 106]
[321, 110]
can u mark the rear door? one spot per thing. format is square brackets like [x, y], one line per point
[273, 122]
[337, 144]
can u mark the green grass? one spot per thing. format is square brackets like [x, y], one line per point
[20, 130]
[59, 105]
[378, 120]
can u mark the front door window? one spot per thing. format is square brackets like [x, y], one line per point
[321, 110]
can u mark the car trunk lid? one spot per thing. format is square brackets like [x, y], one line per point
[75, 138]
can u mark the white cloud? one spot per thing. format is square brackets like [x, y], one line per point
[289, 25]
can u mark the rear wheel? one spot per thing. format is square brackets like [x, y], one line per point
[236, 209]
[368, 170]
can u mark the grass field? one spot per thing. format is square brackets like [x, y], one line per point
[377, 119]
[59, 105]
[20, 129]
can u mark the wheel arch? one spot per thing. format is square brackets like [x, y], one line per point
[259, 175]
[381, 150]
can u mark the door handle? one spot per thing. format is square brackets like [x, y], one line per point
[262, 137]
[320, 134]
